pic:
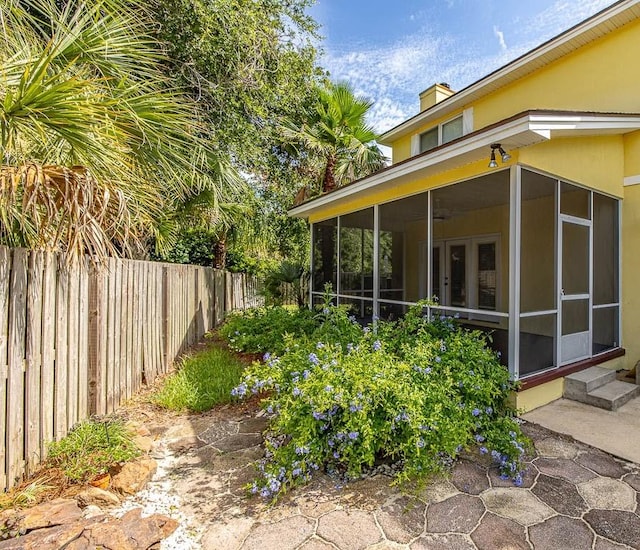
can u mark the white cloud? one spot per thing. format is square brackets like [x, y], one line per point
[393, 76]
[500, 36]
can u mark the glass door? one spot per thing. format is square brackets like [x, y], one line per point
[575, 289]
[455, 280]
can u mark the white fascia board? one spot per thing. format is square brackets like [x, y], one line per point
[584, 123]
[631, 180]
[462, 96]
[533, 128]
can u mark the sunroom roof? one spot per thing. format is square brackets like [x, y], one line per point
[521, 130]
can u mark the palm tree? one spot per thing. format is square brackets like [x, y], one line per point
[96, 145]
[338, 142]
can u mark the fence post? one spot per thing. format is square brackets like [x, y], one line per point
[166, 321]
[97, 343]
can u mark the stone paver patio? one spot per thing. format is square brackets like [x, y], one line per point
[573, 497]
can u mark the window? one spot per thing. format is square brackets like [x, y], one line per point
[441, 134]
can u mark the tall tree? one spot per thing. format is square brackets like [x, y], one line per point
[96, 143]
[248, 64]
[335, 139]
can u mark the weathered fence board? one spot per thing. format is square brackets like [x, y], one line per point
[16, 357]
[79, 339]
[5, 270]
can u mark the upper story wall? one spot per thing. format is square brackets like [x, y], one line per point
[600, 77]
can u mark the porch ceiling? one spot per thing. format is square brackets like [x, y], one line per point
[522, 130]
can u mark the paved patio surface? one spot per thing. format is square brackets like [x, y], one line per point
[617, 432]
[573, 497]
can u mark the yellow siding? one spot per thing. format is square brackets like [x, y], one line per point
[631, 274]
[377, 196]
[535, 397]
[594, 161]
[597, 77]
[632, 154]
[401, 149]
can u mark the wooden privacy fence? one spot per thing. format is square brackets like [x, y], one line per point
[79, 340]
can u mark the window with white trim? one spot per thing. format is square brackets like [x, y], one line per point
[443, 133]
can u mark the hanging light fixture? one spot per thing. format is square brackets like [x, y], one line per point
[505, 157]
[492, 162]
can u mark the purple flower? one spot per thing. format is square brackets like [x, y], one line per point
[336, 454]
[377, 345]
[353, 435]
[483, 450]
[420, 443]
[266, 356]
[475, 412]
[240, 390]
[438, 359]
[479, 438]
[313, 359]
[318, 415]
[297, 391]
[296, 472]
[319, 345]
[328, 388]
[489, 410]
[302, 450]
[518, 480]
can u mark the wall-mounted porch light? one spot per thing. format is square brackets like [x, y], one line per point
[503, 155]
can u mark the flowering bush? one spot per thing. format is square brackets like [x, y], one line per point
[415, 391]
[262, 329]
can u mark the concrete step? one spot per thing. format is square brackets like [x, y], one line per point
[613, 395]
[578, 384]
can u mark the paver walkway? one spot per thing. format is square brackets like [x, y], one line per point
[573, 497]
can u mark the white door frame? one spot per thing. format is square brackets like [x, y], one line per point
[578, 345]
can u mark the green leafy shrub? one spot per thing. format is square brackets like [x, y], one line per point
[203, 380]
[91, 448]
[416, 391]
[262, 330]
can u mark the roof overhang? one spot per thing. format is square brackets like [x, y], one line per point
[514, 133]
[602, 23]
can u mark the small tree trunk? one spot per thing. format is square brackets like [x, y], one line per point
[220, 253]
[329, 182]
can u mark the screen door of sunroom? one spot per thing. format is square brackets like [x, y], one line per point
[575, 291]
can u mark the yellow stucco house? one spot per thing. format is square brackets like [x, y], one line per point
[515, 202]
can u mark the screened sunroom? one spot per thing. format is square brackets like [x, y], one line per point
[528, 257]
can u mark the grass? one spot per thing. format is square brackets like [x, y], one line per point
[203, 380]
[93, 447]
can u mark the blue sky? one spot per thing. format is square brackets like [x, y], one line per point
[391, 51]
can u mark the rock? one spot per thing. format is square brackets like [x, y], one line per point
[459, 513]
[286, 534]
[92, 512]
[561, 532]
[144, 443]
[134, 476]
[353, 529]
[185, 443]
[110, 537]
[98, 497]
[57, 512]
[517, 504]
[146, 531]
[470, 478]
[52, 538]
[496, 533]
